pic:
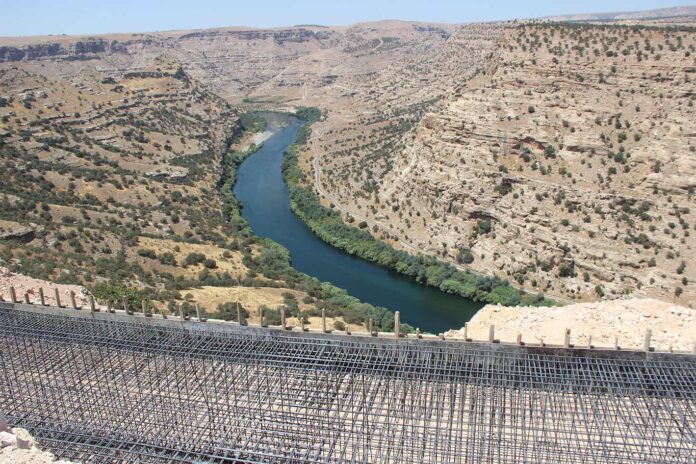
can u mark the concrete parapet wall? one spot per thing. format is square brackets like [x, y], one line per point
[220, 326]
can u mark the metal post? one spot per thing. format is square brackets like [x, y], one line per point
[372, 333]
[397, 324]
[282, 318]
[42, 298]
[646, 341]
[519, 339]
[92, 306]
[239, 314]
[146, 312]
[109, 307]
[589, 341]
[27, 300]
[198, 312]
[302, 323]
[466, 331]
[181, 312]
[73, 302]
[125, 306]
[616, 342]
[491, 333]
[56, 295]
[323, 320]
[13, 295]
[566, 338]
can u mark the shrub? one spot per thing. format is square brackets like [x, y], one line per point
[193, 259]
[167, 258]
[228, 311]
[146, 253]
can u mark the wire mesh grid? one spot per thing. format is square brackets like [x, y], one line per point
[105, 391]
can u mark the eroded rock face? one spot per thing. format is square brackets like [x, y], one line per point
[567, 165]
[71, 51]
[22, 233]
[673, 327]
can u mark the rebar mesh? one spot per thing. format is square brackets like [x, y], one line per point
[118, 391]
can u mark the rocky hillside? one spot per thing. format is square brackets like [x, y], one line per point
[600, 324]
[102, 176]
[674, 14]
[120, 181]
[558, 156]
[300, 63]
[568, 165]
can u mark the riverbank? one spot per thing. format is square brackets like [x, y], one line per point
[328, 225]
[271, 264]
[261, 189]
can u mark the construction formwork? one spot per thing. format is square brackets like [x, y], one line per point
[113, 389]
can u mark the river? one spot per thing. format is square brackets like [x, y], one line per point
[264, 195]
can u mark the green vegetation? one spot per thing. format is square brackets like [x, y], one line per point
[327, 224]
[273, 261]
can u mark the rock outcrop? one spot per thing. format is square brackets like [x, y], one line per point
[672, 326]
[17, 446]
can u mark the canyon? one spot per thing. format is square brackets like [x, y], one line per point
[558, 156]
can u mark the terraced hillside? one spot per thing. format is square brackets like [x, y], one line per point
[389, 73]
[568, 165]
[558, 156]
[123, 184]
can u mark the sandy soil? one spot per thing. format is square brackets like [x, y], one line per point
[673, 327]
[257, 139]
[25, 285]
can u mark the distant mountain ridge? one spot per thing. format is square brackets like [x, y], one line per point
[660, 13]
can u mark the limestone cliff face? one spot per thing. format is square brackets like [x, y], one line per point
[70, 51]
[567, 165]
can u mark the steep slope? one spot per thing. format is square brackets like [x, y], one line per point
[567, 165]
[121, 182]
[101, 177]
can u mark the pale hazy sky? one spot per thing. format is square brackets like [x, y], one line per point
[39, 17]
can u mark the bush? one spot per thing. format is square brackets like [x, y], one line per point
[145, 253]
[168, 259]
[105, 292]
[193, 259]
[465, 256]
[228, 311]
[272, 316]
